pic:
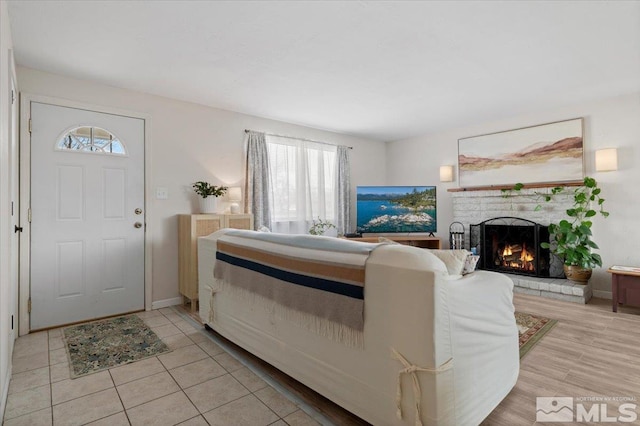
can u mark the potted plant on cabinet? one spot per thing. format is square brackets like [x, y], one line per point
[208, 195]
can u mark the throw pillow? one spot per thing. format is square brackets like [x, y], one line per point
[470, 264]
[453, 259]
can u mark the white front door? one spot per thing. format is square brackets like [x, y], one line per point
[87, 215]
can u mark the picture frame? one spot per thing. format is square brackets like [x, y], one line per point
[550, 152]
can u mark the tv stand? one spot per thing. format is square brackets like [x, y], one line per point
[429, 242]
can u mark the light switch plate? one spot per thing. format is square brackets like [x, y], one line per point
[162, 193]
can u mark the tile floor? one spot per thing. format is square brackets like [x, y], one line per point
[197, 383]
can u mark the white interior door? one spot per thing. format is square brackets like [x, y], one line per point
[87, 224]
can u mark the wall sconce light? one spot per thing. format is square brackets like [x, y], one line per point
[235, 195]
[446, 173]
[606, 160]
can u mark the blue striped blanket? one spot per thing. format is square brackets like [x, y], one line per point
[321, 279]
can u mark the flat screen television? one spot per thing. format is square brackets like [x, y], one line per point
[396, 209]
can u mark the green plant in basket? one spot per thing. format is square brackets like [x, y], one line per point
[571, 239]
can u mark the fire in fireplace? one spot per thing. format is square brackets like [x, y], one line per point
[516, 256]
[510, 244]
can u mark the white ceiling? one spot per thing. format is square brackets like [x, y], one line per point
[382, 70]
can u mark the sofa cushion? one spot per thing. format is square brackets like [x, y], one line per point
[383, 240]
[434, 263]
[410, 257]
[454, 260]
[432, 260]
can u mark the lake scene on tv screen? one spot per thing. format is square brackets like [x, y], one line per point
[383, 209]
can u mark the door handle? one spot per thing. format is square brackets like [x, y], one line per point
[17, 228]
[137, 225]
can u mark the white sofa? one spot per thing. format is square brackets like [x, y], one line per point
[459, 331]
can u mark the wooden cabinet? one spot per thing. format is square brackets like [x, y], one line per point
[415, 241]
[625, 286]
[238, 221]
[190, 227]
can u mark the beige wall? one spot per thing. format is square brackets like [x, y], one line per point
[613, 122]
[191, 142]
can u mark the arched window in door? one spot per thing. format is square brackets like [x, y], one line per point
[91, 139]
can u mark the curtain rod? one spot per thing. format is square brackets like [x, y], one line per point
[291, 137]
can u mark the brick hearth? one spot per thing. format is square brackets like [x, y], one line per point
[553, 288]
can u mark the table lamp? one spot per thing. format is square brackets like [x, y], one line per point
[235, 195]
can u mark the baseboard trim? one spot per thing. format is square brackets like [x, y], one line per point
[158, 304]
[5, 393]
[601, 294]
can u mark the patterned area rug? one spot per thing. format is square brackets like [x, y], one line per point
[103, 344]
[531, 329]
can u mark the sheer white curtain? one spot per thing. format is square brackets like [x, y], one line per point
[302, 183]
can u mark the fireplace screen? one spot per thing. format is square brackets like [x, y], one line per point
[509, 244]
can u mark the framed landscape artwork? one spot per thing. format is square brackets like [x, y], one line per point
[550, 152]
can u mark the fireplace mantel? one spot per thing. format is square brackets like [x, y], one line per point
[525, 186]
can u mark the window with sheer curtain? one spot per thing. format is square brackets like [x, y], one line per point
[303, 183]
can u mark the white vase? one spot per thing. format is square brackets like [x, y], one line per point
[208, 205]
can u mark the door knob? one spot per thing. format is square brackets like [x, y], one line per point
[138, 211]
[137, 225]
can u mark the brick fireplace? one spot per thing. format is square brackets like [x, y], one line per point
[475, 207]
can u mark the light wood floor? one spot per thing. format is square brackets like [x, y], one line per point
[590, 352]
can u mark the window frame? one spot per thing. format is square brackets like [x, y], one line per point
[68, 132]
